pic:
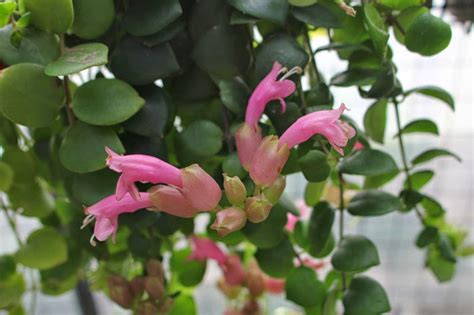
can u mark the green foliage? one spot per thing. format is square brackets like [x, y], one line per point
[355, 253]
[373, 203]
[365, 296]
[428, 35]
[303, 287]
[42, 17]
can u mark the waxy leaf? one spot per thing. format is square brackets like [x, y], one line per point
[320, 226]
[376, 28]
[274, 10]
[355, 253]
[400, 4]
[313, 193]
[442, 269]
[270, 232]
[92, 18]
[303, 287]
[45, 248]
[317, 15]
[379, 180]
[436, 92]
[420, 126]
[36, 47]
[427, 236]
[432, 207]
[232, 167]
[82, 149]
[428, 35]
[7, 267]
[302, 3]
[428, 155]
[42, 17]
[6, 176]
[202, 139]
[405, 19]
[276, 261]
[375, 119]
[91, 187]
[445, 247]
[78, 58]
[28, 96]
[6, 10]
[314, 166]
[190, 272]
[365, 296]
[234, 94]
[106, 102]
[368, 162]
[373, 203]
[359, 77]
[183, 304]
[11, 291]
[419, 179]
[147, 17]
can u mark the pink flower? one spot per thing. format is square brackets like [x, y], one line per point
[171, 200]
[293, 219]
[234, 273]
[106, 213]
[204, 248]
[274, 285]
[249, 135]
[229, 220]
[326, 123]
[358, 146]
[140, 168]
[201, 190]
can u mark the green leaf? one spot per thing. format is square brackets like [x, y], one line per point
[171, 31]
[430, 154]
[45, 248]
[92, 18]
[410, 199]
[319, 95]
[279, 47]
[6, 176]
[375, 119]
[358, 77]
[275, 10]
[42, 17]
[23, 21]
[400, 4]
[155, 117]
[32, 197]
[368, 162]
[106, 102]
[376, 28]
[427, 236]
[432, 207]
[270, 232]
[303, 287]
[302, 3]
[442, 269]
[11, 290]
[405, 19]
[222, 51]
[232, 167]
[234, 94]
[202, 139]
[365, 296]
[314, 166]
[436, 92]
[276, 261]
[28, 96]
[147, 17]
[355, 253]
[352, 31]
[419, 179]
[6, 10]
[36, 47]
[313, 193]
[82, 149]
[183, 304]
[320, 226]
[91, 187]
[78, 58]
[428, 35]
[377, 181]
[190, 272]
[420, 126]
[7, 267]
[137, 64]
[446, 248]
[317, 15]
[373, 203]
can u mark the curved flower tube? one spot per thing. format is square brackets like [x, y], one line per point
[106, 213]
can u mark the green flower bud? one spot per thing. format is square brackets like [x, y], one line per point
[257, 208]
[234, 190]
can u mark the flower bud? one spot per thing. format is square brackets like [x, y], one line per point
[120, 291]
[155, 268]
[274, 192]
[234, 273]
[229, 220]
[257, 208]
[171, 200]
[231, 291]
[147, 308]
[268, 161]
[138, 286]
[154, 287]
[254, 279]
[199, 188]
[235, 190]
[247, 140]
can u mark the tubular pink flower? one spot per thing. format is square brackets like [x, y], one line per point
[204, 248]
[234, 272]
[106, 213]
[247, 140]
[326, 123]
[199, 188]
[140, 168]
[269, 89]
[274, 285]
[171, 200]
[358, 146]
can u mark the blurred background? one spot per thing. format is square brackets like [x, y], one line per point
[412, 289]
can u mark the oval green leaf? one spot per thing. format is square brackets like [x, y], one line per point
[202, 139]
[82, 149]
[270, 232]
[375, 119]
[106, 102]
[42, 17]
[368, 162]
[419, 179]
[373, 203]
[365, 296]
[190, 272]
[6, 176]
[420, 126]
[275, 10]
[303, 287]
[28, 96]
[376, 28]
[314, 166]
[92, 18]
[428, 35]
[428, 155]
[320, 226]
[355, 253]
[276, 261]
[435, 92]
[317, 15]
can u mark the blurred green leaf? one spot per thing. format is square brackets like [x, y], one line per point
[6, 176]
[365, 296]
[92, 18]
[419, 179]
[314, 166]
[7, 267]
[276, 261]
[375, 119]
[234, 94]
[373, 203]
[428, 35]
[427, 236]
[420, 126]
[303, 287]
[405, 18]
[313, 193]
[435, 92]
[376, 28]
[368, 162]
[430, 154]
[355, 253]
[320, 226]
[274, 11]
[202, 139]
[11, 290]
[442, 269]
[270, 232]
[317, 15]
[59, 22]
[6, 10]
[190, 272]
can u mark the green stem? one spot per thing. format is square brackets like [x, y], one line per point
[12, 225]
[401, 144]
[67, 92]
[341, 222]
[304, 105]
[313, 58]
